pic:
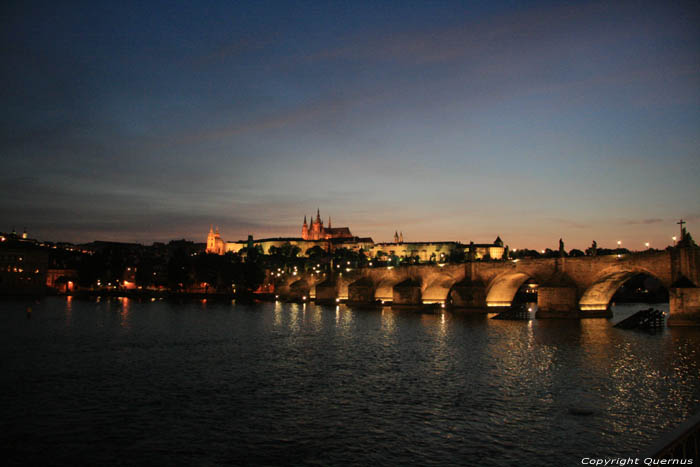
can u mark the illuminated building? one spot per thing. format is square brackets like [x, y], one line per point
[63, 280]
[22, 268]
[316, 230]
[315, 234]
[215, 244]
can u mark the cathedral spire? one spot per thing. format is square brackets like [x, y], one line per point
[304, 219]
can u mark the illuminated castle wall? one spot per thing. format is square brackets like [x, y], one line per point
[312, 234]
[315, 234]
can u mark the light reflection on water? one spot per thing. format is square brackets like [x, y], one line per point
[69, 309]
[281, 383]
[124, 313]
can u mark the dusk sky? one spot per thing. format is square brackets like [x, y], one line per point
[149, 121]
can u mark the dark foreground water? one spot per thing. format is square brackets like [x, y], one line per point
[122, 382]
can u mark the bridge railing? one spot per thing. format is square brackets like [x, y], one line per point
[682, 442]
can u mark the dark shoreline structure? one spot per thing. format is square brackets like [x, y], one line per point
[681, 442]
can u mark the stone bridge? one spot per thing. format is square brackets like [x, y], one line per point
[566, 286]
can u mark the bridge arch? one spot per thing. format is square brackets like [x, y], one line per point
[438, 290]
[597, 296]
[384, 289]
[502, 289]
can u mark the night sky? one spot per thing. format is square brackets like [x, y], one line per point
[149, 121]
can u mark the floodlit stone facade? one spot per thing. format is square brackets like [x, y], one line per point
[315, 234]
[316, 231]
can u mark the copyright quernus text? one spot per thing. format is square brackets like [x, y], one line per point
[622, 461]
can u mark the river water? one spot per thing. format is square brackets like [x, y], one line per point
[117, 381]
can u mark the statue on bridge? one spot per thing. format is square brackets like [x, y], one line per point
[686, 239]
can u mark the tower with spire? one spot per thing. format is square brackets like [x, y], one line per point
[210, 240]
[305, 230]
[317, 227]
[215, 244]
[315, 230]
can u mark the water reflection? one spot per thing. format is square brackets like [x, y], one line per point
[344, 318]
[388, 321]
[293, 323]
[69, 309]
[125, 303]
[407, 387]
[277, 310]
[313, 318]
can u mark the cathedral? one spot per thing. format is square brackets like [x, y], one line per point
[316, 231]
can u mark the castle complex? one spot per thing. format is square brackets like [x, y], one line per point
[315, 234]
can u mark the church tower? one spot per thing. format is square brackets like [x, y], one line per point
[211, 240]
[215, 244]
[305, 230]
[317, 227]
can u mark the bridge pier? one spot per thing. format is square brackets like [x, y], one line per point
[326, 292]
[298, 291]
[558, 297]
[557, 301]
[361, 292]
[468, 295]
[684, 306]
[407, 294]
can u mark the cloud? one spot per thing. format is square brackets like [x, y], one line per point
[470, 39]
[568, 223]
[643, 221]
[323, 108]
[234, 49]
